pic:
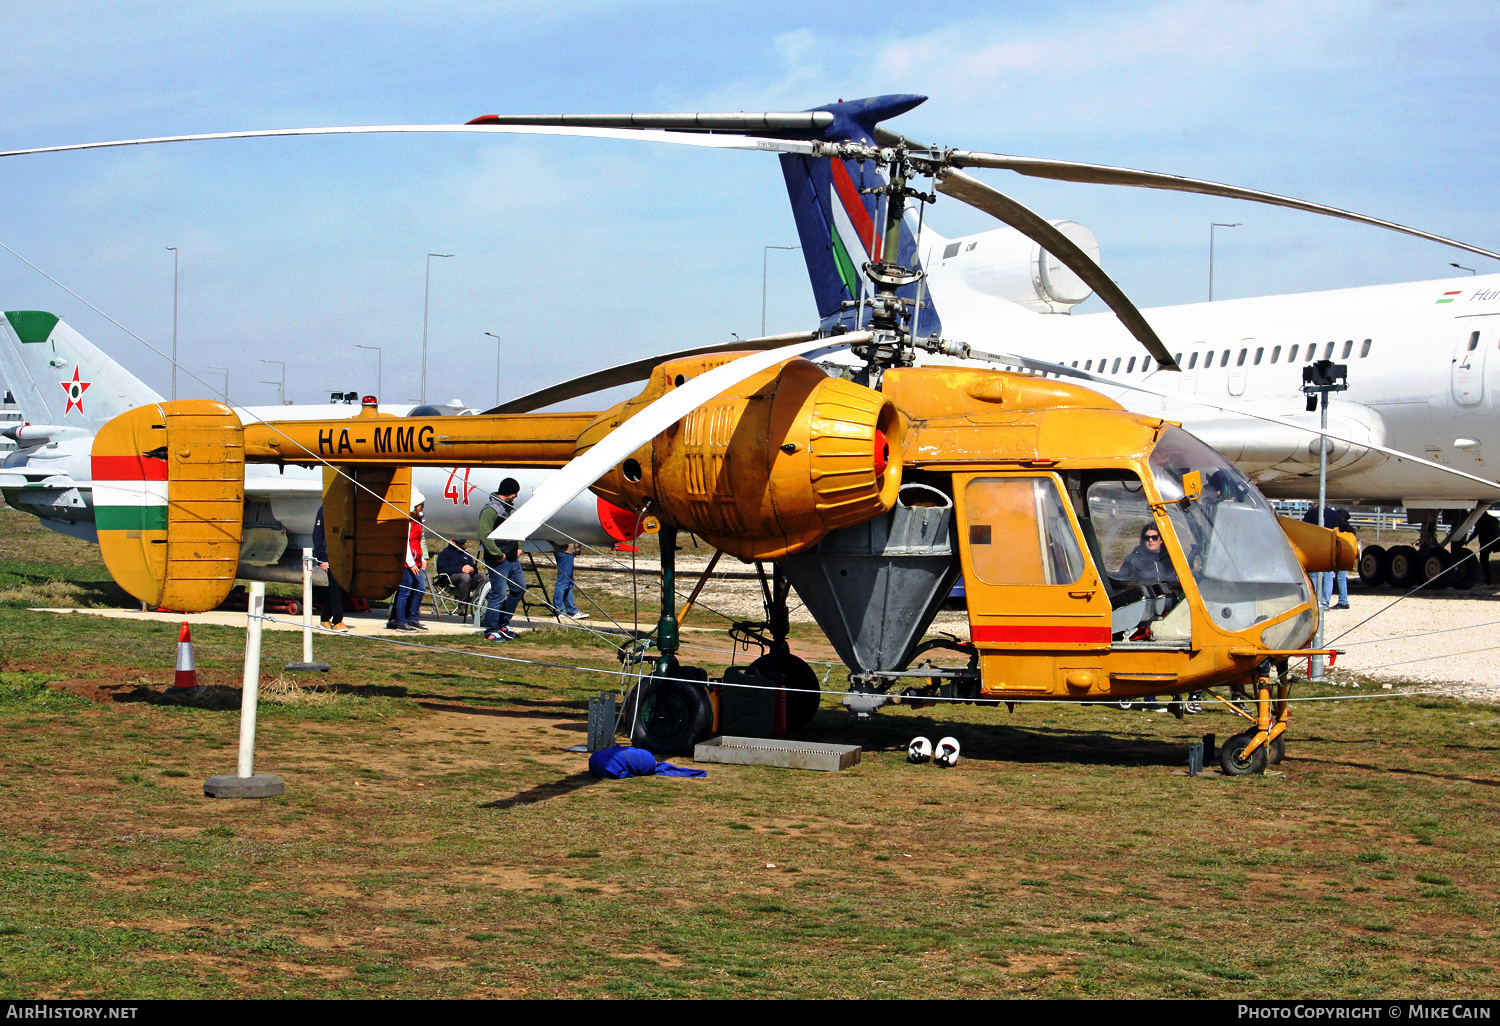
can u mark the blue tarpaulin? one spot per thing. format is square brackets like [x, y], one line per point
[623, 761]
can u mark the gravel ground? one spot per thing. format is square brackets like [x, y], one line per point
[1396, 642]
[1385, 640]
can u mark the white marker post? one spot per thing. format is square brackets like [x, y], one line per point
[247, 783]
[307, 665]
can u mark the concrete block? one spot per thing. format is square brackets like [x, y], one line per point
[761, 751]
[228, 785]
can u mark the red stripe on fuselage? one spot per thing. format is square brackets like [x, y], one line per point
[854, 206]
[129, 468]
[1039, 634]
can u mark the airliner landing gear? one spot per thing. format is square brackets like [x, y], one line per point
[1374, 566]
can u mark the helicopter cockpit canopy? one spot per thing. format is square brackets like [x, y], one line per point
[1238, 556]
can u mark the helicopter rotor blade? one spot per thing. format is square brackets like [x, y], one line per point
[1063, 370]
[992, 201]
[639, 370]
[714, 141]
[1102, 174]
[586, 468]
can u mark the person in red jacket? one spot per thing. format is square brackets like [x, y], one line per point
[408, 605]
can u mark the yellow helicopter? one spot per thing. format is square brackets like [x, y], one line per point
[1107, 555]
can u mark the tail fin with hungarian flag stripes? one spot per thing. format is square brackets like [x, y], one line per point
[839, 222]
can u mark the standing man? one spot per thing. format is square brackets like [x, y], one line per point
[1334, 519]
[333, 595]
[503, 563]
[562, 594]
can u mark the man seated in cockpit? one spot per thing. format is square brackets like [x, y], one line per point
[1148, 563]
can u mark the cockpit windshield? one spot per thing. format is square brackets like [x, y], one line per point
[1242, 562]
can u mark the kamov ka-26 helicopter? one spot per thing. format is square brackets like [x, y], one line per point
[867, 494]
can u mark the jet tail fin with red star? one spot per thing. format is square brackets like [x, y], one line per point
[60, 378]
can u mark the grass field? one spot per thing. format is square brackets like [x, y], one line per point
[435, 839]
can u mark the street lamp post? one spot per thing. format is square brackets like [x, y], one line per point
[498, 340]
[224, 371]
[1461, 267]
[426, 302]
[379, 358]
[173, 251]
[1211, 228]
[765, 255]
[280, 385]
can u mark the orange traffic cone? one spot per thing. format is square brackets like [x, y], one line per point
[187, 676]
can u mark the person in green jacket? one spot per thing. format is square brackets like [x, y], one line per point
[503, 562]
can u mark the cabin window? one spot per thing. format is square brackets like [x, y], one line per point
[1075, 363]
[1224, 358]
[1348, 348]
[1473, 341]
[1178, 359]
[1328, 351]
[1275, 353]
[1241, 361]
[1259, 352]
[1364, 350]
[1291, 354]
[1192, 361]
[1130, 367]
[1019, 532]
[951, 250]
[1116, 368]
[1087, 365]
[1208, 359]
[1145, 364]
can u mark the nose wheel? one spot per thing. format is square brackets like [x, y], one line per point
[1265, 742]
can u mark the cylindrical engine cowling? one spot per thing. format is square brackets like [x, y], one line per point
[768, 468]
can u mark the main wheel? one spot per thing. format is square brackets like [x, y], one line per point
[1404, 566]
[1466, 573]
[1433, 564]
[668, 717]
[803, 691]
[1233, 762]
[1374, 566]
[1278, 751]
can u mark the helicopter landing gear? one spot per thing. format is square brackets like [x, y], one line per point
[1265, 742]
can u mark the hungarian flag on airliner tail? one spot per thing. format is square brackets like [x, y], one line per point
[852, 232]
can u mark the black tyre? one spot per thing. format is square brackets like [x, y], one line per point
[1278, 751]
[1232, 761]
[1465, 573]
[1404, 566]
[803, 690]
[1434, 565]
[668, 717]
[1374, 566]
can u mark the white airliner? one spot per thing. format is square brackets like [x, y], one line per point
[67, 389]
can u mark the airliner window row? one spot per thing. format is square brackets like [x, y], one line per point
[1106, 366]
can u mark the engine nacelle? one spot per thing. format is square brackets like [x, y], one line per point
[767, 468]
[1006, 264]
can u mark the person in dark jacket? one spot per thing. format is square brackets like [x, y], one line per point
[502, 559]
[1334, 519]
[1148, 562]
[461, 569]
[1487, 530]
[331, 597]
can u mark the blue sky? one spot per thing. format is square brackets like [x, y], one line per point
[581, 253]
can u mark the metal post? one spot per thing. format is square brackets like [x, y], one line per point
[247, 783]
[224, 371]
[498, 340]
[307, 665]
[1317, 661]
